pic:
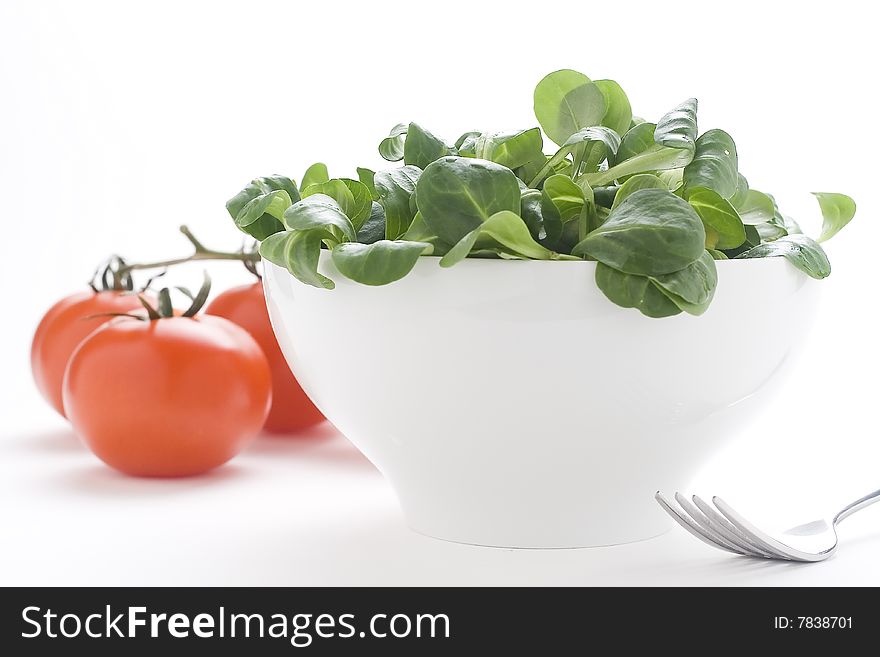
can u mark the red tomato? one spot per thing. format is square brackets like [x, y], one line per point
[167, 398]
[62, 329]
[292, 410]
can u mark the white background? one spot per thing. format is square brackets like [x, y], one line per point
[119, 121]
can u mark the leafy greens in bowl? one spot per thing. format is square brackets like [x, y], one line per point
[654, 204]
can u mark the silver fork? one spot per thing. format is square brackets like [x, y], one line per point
[722, 527]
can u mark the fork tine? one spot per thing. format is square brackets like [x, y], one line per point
[709, 529]
[687, 523]
[730, 532]
[757, 536]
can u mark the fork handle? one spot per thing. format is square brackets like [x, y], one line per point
[858, 505]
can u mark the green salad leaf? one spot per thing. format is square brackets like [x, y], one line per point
[395, 188]
[511, 149]
[618, 112]
[803, 252]
[392, 147]
[634, 184]
[837, 211]
[567, 101]
[724, 227]
[714, 165]
[373, 229]
[367, 178]
[456, 194]
[505, 232]
[258, 208]
[317, 173]
[352, 196]
[379, 263]
[420, 147]
[651, 232]
[320, 211]
[299, 252]
[691, 288]
[634, 291]
[635, 140]
[755, 208]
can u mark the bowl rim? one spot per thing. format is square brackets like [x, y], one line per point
[778, 261]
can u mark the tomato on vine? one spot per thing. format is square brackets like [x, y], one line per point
[71, 320]
[168, 394]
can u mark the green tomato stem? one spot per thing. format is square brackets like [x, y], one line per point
[200, 253]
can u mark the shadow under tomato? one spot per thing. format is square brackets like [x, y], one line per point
[62, 440]
[321, 444]
[316, 433]
[102, 481]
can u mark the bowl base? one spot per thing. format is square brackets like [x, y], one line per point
[585, 534]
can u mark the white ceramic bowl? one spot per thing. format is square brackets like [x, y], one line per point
[509, 403]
